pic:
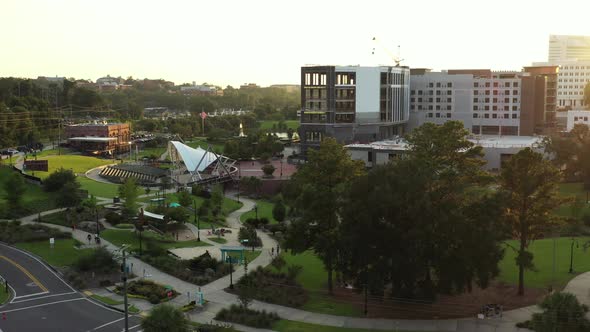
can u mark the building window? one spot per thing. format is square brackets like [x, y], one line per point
[507, 84]
[438, 115]
[494, 116]
[430, 108]
[438, 92]
[475, 84]
[475, 115]
[431, 85]
[515, 84]
[515, 100]
[514, 92]
[430, 100]
[506, 100]
[438, 100]
[370, 156]
[448, 107]
[506, 116]
[475, 100]
[448, 100]
[448, 115]
[514, 116]
[495, 108]
[450, 84]
[449, 92]
[438, 84]
[475, 107]
[507, 92]
[506, 108]
[429, 115]
[475, 92]
[438, 107]
[487, 116]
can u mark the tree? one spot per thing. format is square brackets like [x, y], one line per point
[322, 182]
[129, 192]
[279, 211]
[184, 198]
[216, 200]
[165, 318]
[56, 180]
[561, 313]
[530, 184]
[268, 169]
[570, 153]
[15, 189]
[178, 214]
[69, 195]
[424, 224]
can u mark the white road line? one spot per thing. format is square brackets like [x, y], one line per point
[41, 305]
[28, 295]
[131, 328]
[44, 297]
[107, 324]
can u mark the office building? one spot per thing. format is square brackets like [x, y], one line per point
[99, 138]
[572, 77]
[353, 103]
[569, 48]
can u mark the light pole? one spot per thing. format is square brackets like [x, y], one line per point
[281, 167]
[197, 221]
[256, 210]
[231, 269]
[572, 254]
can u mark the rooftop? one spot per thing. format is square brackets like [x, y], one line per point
[485, 141]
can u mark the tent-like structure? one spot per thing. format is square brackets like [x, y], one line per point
[199, 165]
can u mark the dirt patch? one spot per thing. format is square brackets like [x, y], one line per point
[458, 306]
[182, 234]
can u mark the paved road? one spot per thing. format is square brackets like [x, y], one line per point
[44, 302]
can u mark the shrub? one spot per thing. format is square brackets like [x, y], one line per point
[249, 233]
[154, 299]
[242, 315]
[561, 312]
[268, 169]
[165, 318]
[113, 218]
[100, 260]
[264, 221]
[147, 289]
[273, 287]
[277, 228]
[56, 180]
[279, 211]
[125, 226]
[13, 231]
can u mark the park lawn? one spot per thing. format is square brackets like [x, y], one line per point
[63, 253]
[4, 294]
[78, 164]
[98, 189]
[133, 309]
[204, 144]
[51, 152]
[543, 259]
[120, 237]
[219, 240]
[574, 191]
[313, 277]
[264, 211]
[267, 124]
[107, 300]
[146, 152]
[34, 199]
[284, 325]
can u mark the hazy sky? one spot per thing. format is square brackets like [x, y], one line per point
[266, 42]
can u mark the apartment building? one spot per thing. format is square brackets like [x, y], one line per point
[488, 103]
[353, 103]
[572, 77]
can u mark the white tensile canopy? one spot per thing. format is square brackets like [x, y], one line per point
[194, 159]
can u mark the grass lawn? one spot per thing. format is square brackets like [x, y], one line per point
[107, 300]
[292, 326]
[218, 240]
[120, 237]
[98, 189]
[228, 206]
[52, 152]
[79, 164]
[133, 309]
[264, 210]
[146, 152]
[313, 277]
[574, 191]
[34, 199]
[543, 260]
[4, 294]
[267, 124]
[63, 253]
[204, 144]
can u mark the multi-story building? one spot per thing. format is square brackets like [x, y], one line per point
[572, 77]
[569, 48]
[99, 138]
[353, 103]
[488, 103]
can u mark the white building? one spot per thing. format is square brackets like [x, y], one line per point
[568, 48]
[497, 150]
[577, 117]
[486, 102]
[572, 77]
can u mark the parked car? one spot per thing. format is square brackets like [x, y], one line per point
[8, 152]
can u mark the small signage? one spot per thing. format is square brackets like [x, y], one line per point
[51, 242]
[36, 165]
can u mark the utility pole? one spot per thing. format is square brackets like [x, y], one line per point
[125, 291]
[231, 269]
[197, 221]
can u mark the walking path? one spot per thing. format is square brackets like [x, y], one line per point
[217, 298]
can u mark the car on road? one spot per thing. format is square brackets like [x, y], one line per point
[8, 152]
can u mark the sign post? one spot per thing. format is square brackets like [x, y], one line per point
[51, 242]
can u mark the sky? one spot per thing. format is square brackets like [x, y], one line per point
[226, 42]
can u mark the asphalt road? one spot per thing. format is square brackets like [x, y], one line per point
[45, 302]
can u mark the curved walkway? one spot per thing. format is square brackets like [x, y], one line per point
[217, 298]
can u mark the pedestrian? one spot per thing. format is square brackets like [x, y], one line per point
[89, 237]
[272, 251]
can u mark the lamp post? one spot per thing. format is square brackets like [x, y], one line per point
[281, 167]
[96, 218]
[231, 269]
[572, 254]
[256, 210]
[196, 219]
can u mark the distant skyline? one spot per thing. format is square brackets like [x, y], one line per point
[266, 42]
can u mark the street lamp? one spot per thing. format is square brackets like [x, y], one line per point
[197, 219]
[572, 254]
[231, 269]
[281, 167]
[256, 210]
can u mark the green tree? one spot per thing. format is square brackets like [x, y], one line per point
[570, 153]
[531, 186]
[56, 180]
[129, 192]
[165, 318]
[279, 211]
[561, 313]
[322, 181]
[184, 198]
[15, 189]
[424, 224]
[216, 200]
[268, 169]
[69, 195]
